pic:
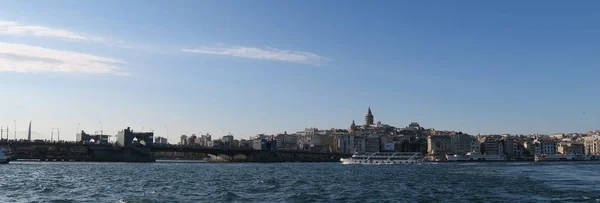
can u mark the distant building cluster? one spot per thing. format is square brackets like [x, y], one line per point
[374, 136]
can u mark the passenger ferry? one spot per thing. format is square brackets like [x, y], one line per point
[4, 156]
[557, 157]
[485, 157]
[380, 158]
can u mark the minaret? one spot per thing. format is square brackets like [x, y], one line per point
[369, 119]
[29, 132]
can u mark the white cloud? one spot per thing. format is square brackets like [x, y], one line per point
[263, 54]
[33, 59]
[14, 28]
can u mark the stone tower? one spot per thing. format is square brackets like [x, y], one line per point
[369, 119]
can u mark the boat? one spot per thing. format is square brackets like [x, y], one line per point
[384, 158]
[484, 157]
[456, 157]
[4, 156]
[557, 157]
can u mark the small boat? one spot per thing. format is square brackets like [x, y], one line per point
[484, 157]
[456, 157]
[384, 158]
[557, 157]
[4, 156]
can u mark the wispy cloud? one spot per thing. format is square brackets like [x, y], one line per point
[14, 28]
[262, 54]
[33, 59]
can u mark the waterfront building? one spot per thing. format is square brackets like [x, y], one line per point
[461, 143]
[537, 148]
[338, 134]
[191, 140]
[564, 148]
[227, 141]
[591, 145]
[203, 140]
[439, 144]
[493, 145]
[218, 143]
[245, 143]
[403, 143]
[372, 143]
[261, 136]
[260, 144]
[548, 147]
[578, 148]
[511, 146]
[345, 143]
[475, 145]
[327, 142]
[387, 143]
[286, 142]
[314, 139]
[183, 140]
[160, 141]
[302, 142]
[360, 144]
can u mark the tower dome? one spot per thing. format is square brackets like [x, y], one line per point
[369, 118]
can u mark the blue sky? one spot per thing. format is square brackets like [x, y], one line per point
[250, 67]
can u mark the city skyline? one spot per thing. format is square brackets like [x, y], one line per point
[369, 120]
[218, 67]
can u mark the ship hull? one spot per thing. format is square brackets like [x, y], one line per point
[377, 162]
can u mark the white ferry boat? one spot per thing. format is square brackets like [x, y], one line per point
[484, 157]
[558, 157]
[4, 156]
[379, 158]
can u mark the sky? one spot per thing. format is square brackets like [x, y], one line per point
[249, 67]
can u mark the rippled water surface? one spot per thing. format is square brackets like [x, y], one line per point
[299, 182]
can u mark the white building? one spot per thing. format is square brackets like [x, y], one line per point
[591, 144]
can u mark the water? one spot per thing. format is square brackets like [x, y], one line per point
[299, 182]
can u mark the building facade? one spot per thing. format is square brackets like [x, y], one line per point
[548, 147]
[160, 141]
[286, 142]
[461, 143]
[591, 145]
[439, 145]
